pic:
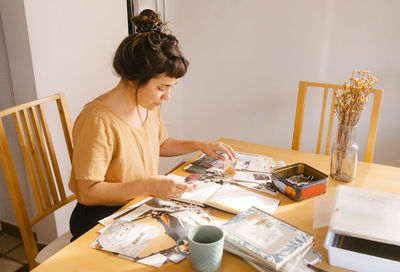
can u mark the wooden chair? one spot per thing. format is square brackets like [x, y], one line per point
[298, 125]
[41, 165]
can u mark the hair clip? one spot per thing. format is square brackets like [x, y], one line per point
[154, 27]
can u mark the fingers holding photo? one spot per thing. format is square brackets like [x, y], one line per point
[211, 149]
[229, 152]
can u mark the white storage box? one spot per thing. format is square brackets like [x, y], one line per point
[364, 232]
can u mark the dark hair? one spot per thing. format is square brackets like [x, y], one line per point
[146, 54]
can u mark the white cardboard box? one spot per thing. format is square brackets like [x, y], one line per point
[365, 214]
[357, 261]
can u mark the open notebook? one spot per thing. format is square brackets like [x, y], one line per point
[229, 198]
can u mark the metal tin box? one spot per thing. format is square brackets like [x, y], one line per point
[313, 187]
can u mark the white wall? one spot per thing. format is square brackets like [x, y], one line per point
[17, 86]
[247, 58]
[72, 45]
[7, 100]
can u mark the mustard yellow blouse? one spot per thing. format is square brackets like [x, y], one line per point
[106, 148]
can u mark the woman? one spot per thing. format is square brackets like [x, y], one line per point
[119, 136]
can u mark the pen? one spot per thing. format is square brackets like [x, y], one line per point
[317, 269]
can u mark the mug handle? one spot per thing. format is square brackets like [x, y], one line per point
[177, 246]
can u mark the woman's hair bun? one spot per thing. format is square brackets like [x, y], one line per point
[149, 52]
[147, 21]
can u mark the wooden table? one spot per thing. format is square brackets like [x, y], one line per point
[77, 256]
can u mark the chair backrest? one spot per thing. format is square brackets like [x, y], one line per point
[298, 125]
[40, 162]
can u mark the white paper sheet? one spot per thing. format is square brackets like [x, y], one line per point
[240, 199]
[155, 260]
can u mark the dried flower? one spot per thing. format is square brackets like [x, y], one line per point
[351, 101]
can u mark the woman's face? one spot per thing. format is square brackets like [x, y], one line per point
[155, 91]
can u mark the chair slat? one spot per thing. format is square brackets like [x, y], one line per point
[28, 162]
[14, 109]
[51, 151]
[37, 218]
[35, 158]
[298, 125]
[330, 126]
[17, 199]
[43, 154]
[66, 122]
[369, 151]
[321, 122]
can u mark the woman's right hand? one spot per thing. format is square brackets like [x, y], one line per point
[166, 188]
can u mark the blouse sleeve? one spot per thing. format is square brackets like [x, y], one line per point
[93, 148]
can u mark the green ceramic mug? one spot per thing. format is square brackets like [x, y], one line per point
[206, 245]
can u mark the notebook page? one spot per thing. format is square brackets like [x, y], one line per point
[235, 199]
[201, 193]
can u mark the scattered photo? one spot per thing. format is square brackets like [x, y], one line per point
[265, 187]
[148, 233]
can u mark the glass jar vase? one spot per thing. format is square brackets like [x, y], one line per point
[344, 154]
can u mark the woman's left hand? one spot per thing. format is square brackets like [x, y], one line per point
[211, 148]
